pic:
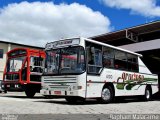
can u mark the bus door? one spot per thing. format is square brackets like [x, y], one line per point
[24, 71]
[36, 68]
[94, 68]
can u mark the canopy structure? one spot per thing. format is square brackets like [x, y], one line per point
[135, 34]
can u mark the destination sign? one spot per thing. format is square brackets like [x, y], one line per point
[17, 52]
[58, 44]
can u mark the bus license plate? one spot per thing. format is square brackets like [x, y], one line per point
[8, 85]
[57, 92]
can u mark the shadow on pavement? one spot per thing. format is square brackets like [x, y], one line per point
[24, 97]
[157, 96]
[118, 100]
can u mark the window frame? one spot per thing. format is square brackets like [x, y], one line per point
[94, 68]
[112, 58]
[126, 60]
[1, 53]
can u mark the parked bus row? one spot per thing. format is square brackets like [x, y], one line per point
[77, 69]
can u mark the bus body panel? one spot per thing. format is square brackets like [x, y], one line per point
[126, 87]
[125, 82]
[94, 86]
[68, 85]
[133, 84]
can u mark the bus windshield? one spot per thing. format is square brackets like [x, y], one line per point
[15, 64]
[68, 60]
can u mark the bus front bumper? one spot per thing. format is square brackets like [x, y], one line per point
[61, 93]
[11, 87]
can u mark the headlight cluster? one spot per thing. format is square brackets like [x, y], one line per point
[74, 87]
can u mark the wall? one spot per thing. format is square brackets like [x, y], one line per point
[3, 60]
[142, 46]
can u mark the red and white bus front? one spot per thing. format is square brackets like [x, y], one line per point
[23, 71]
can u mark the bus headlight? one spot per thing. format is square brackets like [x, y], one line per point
[2, 86]
[16, 86]
[77, 87]
[74, 87]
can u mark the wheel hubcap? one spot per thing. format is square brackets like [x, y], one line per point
[147, 94]
[106, 94]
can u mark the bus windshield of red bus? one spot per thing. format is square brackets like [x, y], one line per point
[15, 64]
[68, 60]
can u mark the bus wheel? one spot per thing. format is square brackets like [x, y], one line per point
[107, 95]
[30, 93]
[5, 91]
[148, 94]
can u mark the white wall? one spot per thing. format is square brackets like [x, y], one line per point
[3, 60]
[142, 46]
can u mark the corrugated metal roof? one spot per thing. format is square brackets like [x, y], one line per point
[141, 31]
[7, 42]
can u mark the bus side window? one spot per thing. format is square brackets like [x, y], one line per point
[36, 64]
[90, 56]
[90, 60]
[107, 62]
[132, 62]
[120, 60]
[94, 60]
[108, 57]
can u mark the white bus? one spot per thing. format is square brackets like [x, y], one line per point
[81, 68]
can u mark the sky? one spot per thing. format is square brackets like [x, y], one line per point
[36, 22]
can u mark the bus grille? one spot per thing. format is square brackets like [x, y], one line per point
[12, 77]
[58, 82]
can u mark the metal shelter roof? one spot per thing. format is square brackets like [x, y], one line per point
[135, 34]
[14, 43]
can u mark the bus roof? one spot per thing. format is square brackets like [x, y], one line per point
[26, 50]
[16, 49]
[111, 46]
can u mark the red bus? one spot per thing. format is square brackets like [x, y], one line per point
[23, 71]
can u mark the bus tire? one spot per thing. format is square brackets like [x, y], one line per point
[5, 91]
[107, 94]
[148, 93]
[30, 93]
